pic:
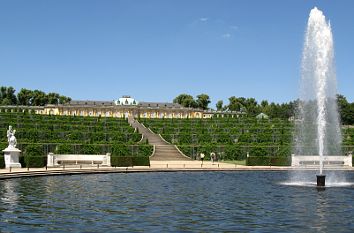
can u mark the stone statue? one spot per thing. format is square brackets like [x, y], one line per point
[11, 137]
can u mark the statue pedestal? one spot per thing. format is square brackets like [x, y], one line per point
[11, 155]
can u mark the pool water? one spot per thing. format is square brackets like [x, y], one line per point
[243, 201]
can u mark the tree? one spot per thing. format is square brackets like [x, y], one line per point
[64, 99]
[53, 98]
[252, 107]
[236, 104]
[264, 103]
[7, 96]
[185, 100]
[346, 110]
[24, 97]
[39, 98]
[219, 105]
[203, 100]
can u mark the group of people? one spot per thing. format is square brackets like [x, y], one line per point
[213, 157]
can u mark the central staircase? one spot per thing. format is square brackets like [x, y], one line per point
[163, 150]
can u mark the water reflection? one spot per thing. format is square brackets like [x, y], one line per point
[164, 202]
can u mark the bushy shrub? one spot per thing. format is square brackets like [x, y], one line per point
[234, 152]
[2, 162]
[34, 156]
[268, 161]
[141, 161]
[3, 145]
[120, 150]
[64, 149]
[258, 151]
[118, 161]
[187, 150]
[145, 150]
[90, 149]
[284, 151]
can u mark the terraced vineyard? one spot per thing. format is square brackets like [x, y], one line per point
[232, 138]
[74, 134]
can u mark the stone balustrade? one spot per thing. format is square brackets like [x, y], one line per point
[339, 160]
[59, 159]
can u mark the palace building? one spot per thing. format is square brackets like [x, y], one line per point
[125, 106]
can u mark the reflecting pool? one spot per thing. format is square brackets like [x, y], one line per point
[242, 201]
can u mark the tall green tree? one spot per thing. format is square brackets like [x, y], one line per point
[53, 98]
[346, 110]
[186, 101]
[25, 97]
[39, 98]
[203, 100]
[7, 96]
[64, 99]
[236, 104]
[220, 105]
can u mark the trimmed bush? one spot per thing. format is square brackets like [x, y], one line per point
[268, 161]
[120, 161]
[141, 161]
[120, 150]
[2, 162]
[34, 157]
[90, 149]
[145, 150]
[258, 151]
[3, 146]
[117, 161]
[234, 152]
[64, 149]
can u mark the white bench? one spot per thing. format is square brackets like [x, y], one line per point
[338, 160]
[59, 159]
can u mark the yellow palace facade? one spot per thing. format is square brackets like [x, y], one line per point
[123, 107]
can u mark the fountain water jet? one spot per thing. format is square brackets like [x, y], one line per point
[317, 122]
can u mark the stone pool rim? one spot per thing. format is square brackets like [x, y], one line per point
[39, 172]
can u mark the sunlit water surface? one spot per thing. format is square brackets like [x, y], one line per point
[176, 202]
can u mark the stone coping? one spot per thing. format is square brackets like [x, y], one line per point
[156, 166]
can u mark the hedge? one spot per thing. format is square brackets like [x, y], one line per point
[64, 149]
[34, 157]
[268, 161]
[117, 161]
[2, 162]
[235, 152]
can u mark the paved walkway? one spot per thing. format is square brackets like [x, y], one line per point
[163, 150]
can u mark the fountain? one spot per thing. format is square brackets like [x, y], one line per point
[317, 131]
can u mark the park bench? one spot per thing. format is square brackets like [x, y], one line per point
[76, 159]
[334, 160]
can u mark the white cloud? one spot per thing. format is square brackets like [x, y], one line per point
[234, 27]
[203, 19]
[226, 35]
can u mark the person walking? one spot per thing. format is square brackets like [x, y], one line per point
[202, 155]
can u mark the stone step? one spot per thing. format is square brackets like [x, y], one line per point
[163, 150]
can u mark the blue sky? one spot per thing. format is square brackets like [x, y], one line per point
[155, 50]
